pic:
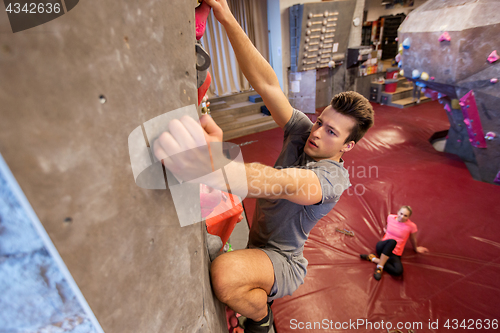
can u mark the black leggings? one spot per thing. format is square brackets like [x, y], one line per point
[393, 265]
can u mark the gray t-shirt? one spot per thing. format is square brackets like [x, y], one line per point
[281, 224]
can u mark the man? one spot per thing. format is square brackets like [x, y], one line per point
[304, 185]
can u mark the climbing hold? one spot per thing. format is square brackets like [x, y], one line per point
[497, 178]
[398, 57]
[493, 57]
[309, 24]
[415, 74]
[490, 136]
[400, 49]
[400, 64]
[445, 37]
[432, 78]
[214, 245]
[494, 80]
[202, 90]
[396, 39]
[432, 94]
[204, 105]
[331, 64]
[455, 104]
[201, 15]
[421, 84]
[402, 72]
[406, 43]
[424, 76]
[202, 58]
[472, 120]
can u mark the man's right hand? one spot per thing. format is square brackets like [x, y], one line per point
[221, 10]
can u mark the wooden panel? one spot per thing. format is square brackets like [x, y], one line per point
[137, 268]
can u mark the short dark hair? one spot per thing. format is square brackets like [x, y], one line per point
[352, 104]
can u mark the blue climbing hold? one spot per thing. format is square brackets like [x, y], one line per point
[406, 44]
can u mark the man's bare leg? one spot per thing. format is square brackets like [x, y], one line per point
[242, 280]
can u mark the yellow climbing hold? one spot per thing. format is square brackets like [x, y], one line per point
[455, 104]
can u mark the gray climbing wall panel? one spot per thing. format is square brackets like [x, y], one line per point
[137, 268]
[457, 66]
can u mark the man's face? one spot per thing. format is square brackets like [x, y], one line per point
[328, 135]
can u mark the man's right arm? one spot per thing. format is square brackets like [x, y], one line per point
[255, 68]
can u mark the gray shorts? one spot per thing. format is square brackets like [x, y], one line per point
[289, 272]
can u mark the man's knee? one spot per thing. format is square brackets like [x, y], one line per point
[222, 277]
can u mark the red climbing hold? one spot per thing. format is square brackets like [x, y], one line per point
[201, 13]
[204, 88]
[445, 37]
[493, 57]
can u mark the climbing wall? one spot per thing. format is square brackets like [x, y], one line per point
[71, 92]
[449, 48]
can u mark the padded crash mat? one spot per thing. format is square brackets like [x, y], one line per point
[458, 221]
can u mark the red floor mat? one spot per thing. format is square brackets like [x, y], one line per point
[458, 221]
